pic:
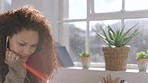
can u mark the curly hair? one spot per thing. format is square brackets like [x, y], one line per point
[26, 17]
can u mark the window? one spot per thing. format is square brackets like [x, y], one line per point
[78, 17]
[132, 5]
[107, 5]
[74, 9]
[5, 5]
[75, 34]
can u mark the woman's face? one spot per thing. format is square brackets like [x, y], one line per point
[24, 43]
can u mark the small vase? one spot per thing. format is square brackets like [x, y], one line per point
[142, 64]
[142, 67]
[85, 62]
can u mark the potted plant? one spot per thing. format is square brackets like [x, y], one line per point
[116, 53]
[85, 59]
[142, 61]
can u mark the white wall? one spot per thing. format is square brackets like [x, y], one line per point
[92, 76]
[47, 7]
[36, 3]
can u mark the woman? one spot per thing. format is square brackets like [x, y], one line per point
[27, 50]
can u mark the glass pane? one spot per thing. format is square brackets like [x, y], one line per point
[74, 9]
[139, 42]
[6, 5]
[131, 5]
[96, 42]
[76, 38]
[101, 6]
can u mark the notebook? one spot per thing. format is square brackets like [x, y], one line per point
[64, 56]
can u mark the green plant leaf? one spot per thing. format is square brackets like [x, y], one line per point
[141, 55]
[84, 54]
[117, 37]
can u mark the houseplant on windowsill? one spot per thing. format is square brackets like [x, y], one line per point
[142, 61]
[116, 53]
[85, 59]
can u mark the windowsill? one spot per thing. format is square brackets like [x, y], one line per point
[103, 69]
[102, 65]
[133, 68]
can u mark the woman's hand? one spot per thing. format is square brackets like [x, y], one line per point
[11, 56]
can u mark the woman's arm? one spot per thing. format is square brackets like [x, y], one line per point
[17, 72]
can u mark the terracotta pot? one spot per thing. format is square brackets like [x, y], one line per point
[85, 62]
[142, 64]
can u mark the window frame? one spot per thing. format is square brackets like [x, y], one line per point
[92, 16]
